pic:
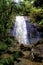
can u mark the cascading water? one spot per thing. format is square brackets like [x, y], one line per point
[24, 31]
[20, 31]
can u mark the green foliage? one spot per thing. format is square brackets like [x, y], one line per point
[28, 8]
[9, 41]
[16, 55]
[1, 64]
[6, 61]
[36, 14]
[6, 17]
[8, 9]
[3, 46]
[41, 22]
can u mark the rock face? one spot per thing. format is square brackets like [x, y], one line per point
[24, 31]
[37, 52]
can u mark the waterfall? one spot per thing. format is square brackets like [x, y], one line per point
[20, 31]
[24, 31]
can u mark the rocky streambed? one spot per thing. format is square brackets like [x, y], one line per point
[17, 54]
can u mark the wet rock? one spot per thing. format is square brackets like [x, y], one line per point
[37, 52]
[25, 48]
